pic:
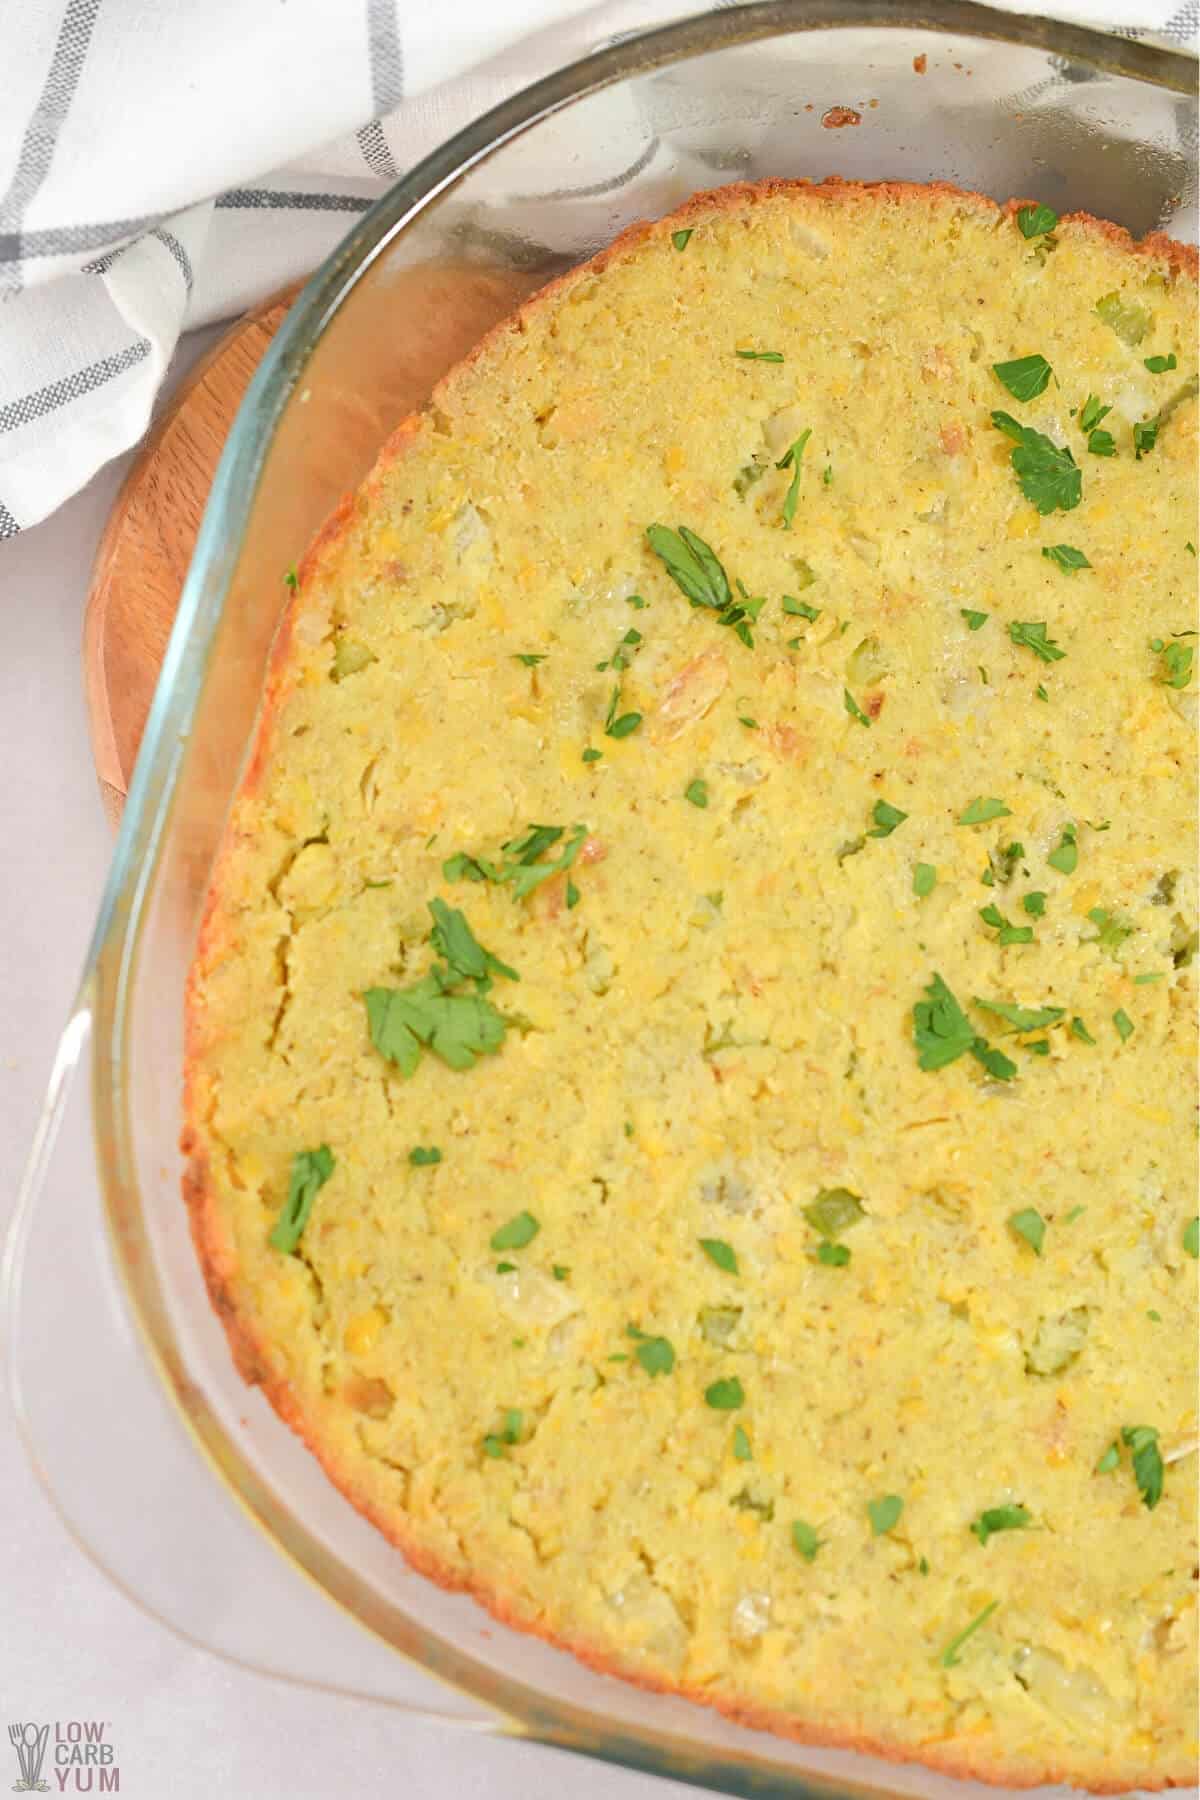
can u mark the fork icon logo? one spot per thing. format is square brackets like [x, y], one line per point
[29, 1742]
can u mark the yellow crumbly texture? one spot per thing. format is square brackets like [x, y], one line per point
[722, 1026]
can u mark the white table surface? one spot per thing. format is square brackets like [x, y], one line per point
[184, 1723]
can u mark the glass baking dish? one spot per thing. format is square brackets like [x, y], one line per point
[120, 1373]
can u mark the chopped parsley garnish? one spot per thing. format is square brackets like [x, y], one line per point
[833, 1256]
[1066, 557]
[656, 1355]
[591, 756]
[942, 1033]
[1035, 904]
[624, 726]
[1143, 980]
[1124, 1024]
[1101, 443]
[1080, 1030]
[559, 1271]
[974, 619]
[310, 1171]
[1145, 436]
[886, 819]
[1031, 635]
[1000, 1518]
[980, 811]
[636, 601]
[505, 1268]
[291, 579]
[833, 1211]
[805, 1539]
[800, 608]
[773, 356]
[529, 658]
[457, 1027]
[1142, 1441]
[950, 1657]
[1046, 472]
[748, 722]
[1025, 377]
[695, 568]
[884, 1513]
[697, 792]
[680, 238]
[1177, 662]
[1030, 1225]
[1191, 1237]
[721, 1253]
[424, 1159]
[1040, 1048]
[725, 1395]
[924, 880]
[522, 867]
[520, 1230]
[1022, 1018]
[1158, 365]
[1109, 1461]
[1065, 856]
[494, 1443]
[791, 459]
[854, 709]
[827, 474]
[741, 1445]
[1040, 692]
[1091, 413]
[1035, 221]
[1007, 932]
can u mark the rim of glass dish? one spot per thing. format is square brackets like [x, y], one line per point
[106, 985]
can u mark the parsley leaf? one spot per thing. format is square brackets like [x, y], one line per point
[725, 1395]
[950, 1657]
[886, 819]
[1030, 1225]
[1191, 1237]
[941, 1030]
[1080, 1030]
[624, 726]
[741, 1445]
[692, 565]
[453, 939]
[1142, 1440]
[656, 1355]
[591, 755]
[805, 1539]
[1035, 904]
[697, 792]
[800, 608]
[1101, 443]
[772, 356]
[310, 1171]
[1065, 857]
[1000, 1518]
[1022, 1018]
[884, 1513]
[791, 459]
[833, 1256]
[1109, 1461]
[721, 1253]
[1025, 377]
[833, 1211]
[1124, 1024]
[1066, 557]
[495, 1442]
[680, 239]
[1091, 413]
[1032, 636]
[1046, 472]
[1145, 436]
[924, 880]
[1035, 221]
[1177, 663]
[1007, 933]
[854, 709]
[424, 1159]
[457, 1027]
[974, 619]
[1111, 930]
[998, 1066]
[1158, 365]
[292, 579]
[980, 811]
[529, 658]
[520, 1230]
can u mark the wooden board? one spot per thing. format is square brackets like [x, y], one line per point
[434, 315]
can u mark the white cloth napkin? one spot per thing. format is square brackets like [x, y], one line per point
[133, 203]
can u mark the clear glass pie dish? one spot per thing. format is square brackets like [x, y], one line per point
[984, 100]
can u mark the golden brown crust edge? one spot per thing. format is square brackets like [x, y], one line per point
[216, 1255]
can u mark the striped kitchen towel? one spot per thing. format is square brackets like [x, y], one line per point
[133, 203]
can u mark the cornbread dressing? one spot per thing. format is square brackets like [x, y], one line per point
[743, 1229]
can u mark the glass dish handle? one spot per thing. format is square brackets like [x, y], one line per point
[118, 1464]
